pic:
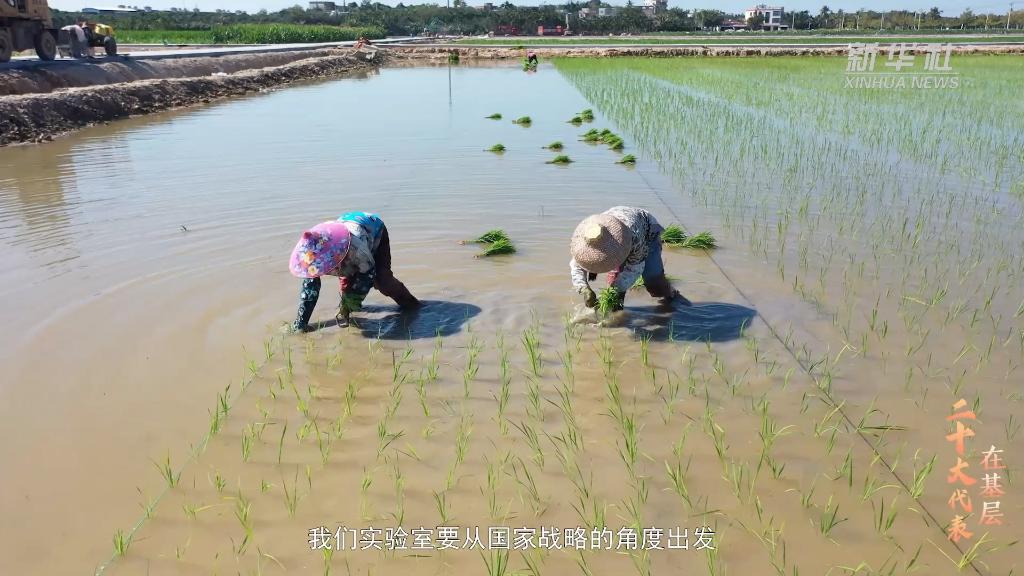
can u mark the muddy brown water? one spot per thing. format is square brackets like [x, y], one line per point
[144, 266]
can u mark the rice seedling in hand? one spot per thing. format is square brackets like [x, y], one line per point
[560, 159]
[609, 300]
[523, 121]
[494, 116]
[627, 159]
[500, 247]
[556, 146]
[499, 147]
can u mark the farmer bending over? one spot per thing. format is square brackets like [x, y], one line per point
[357, 250]
[626, 243]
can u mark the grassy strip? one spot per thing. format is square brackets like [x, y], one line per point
[753, 39]
[250, 34]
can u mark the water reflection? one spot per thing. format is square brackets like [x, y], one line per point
[434, 317]
[702, 322]
[38, 196]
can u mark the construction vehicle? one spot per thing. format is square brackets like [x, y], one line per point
[26, 24]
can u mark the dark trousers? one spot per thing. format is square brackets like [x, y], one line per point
[384, 281]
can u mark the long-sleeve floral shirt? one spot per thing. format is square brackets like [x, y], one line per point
[644, 229]
[358, 270]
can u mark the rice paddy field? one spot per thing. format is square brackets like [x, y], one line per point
[794, 420]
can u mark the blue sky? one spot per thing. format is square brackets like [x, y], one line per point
[949, 8]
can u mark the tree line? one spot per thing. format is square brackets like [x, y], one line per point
[403, 20]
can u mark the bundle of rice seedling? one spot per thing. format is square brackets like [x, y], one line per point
[615, 143]
[523, 120]
[576, 120]
[497, 148]
[673, 235]
[592, 136]
[498, 247]
[627, 159]
[560, 159]
[587, 115]
[490, 237]
[494, 116]
[704, 241]
[609, 299]
[556, 145]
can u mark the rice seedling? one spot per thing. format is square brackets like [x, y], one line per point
[920, 477]
[575, 120]
[627, 159]
[523, 121]
[291, 496]
[122, 542]
[830, 518]
[499, 147]
[498, 248]
[615, 143]
[167, 472]
[608, 300]
[587, 115]
[556, 146]
[495, 116]
[243, 509]
[280, 442]
[443, 510]
[496, 562]
[560, 159]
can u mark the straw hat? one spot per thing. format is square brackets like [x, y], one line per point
[600, 243]
[320, 250]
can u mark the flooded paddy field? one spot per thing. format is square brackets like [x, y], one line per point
[793, 421]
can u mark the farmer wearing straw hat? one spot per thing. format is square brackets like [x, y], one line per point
[626, 243]
[355, 248]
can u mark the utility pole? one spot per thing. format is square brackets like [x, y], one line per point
[1008, 16]
[881, 25]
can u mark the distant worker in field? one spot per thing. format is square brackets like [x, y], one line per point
[355, 248]
[531, 58]
[626, 243]
[363, 41]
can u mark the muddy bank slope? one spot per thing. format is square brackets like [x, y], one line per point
[437, 52]
[72, 74]
[40, 117]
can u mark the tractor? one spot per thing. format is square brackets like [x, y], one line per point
[26, 24]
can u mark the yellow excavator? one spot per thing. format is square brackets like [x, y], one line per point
[27, 24]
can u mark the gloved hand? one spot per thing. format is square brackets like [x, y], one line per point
[589, 298]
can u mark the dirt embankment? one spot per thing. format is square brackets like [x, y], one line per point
[73, 74]
[40, 117]
[500, 53]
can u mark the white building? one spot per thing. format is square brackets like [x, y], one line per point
[773, 17]
[654, 7]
